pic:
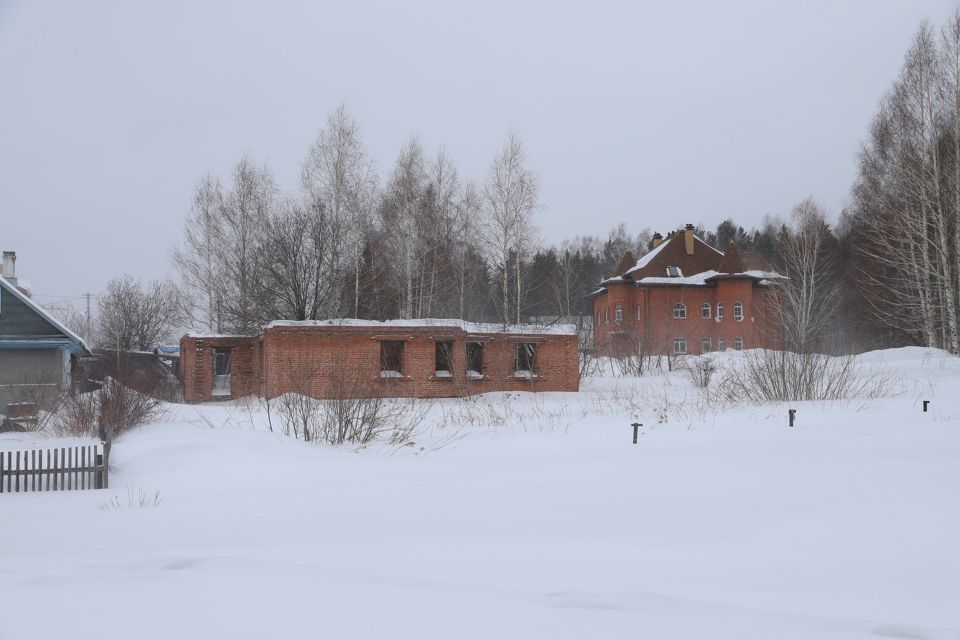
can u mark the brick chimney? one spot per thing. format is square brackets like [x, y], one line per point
[657, 240]
[688, 239]
[9, 270]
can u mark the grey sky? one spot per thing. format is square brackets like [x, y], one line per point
[653, 114]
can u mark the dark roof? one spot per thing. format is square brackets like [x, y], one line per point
[732, 262]
[673, 253]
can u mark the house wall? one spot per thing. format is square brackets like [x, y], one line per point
[325, 362]
[657, 328]
[31, 375]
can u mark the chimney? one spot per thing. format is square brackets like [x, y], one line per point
[657, 240]
[10, 267]
[688, 239]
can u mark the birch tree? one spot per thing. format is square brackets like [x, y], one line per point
[511, 198]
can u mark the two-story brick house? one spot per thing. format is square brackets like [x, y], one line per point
[685, 297]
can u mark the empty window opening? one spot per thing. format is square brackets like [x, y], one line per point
[221, 371]
[679, 346]
[525, 363]
[680, 311]
[474, 359]
[444, 358]
[391, 359]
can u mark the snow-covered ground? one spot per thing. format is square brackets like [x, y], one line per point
[517, 516]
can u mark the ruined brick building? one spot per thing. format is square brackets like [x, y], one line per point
[363, 358]
[685, 297]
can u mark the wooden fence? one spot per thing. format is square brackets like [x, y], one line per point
[59, 469]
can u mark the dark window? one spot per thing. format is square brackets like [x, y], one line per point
[221, 361]
[391, 357]
[674, 272]
[221, 371]
[526, 357]
[475, 358]
[444, 357]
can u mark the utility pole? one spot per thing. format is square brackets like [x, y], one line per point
[87, 334]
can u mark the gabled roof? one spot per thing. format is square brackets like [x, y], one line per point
[672, 252]
[79, 346]
[702, 268]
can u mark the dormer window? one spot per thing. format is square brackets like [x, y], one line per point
[674, 272]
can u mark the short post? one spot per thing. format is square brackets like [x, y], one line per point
[106, 435]
[636, 425]
[793, 415]
[925, 403]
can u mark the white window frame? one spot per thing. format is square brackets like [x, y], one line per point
[706, 345]
[638, 312]
[738, 311]
[721, 344]
[618, 315]
[680, 346]
[719, 314]
[606, 315]
[705, 311]
[738, 343]
[679, 311]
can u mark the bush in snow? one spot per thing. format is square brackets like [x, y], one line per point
[113, 404]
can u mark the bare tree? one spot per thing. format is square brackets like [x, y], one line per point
[511, 196]
[339, 181]
[199, 259]
[133, 317]
[807, 298]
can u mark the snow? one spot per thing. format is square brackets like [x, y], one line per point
[469, 327]
[648, 256]
[517, 515]
[699, 279]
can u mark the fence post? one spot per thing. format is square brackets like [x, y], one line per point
[793, 415]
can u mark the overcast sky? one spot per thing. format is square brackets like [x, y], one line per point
[653, 114]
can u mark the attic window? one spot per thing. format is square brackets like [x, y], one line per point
[674, 272]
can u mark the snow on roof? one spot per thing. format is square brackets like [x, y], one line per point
[699, 279]
[43, 313]
[648, 256]
[469, 327]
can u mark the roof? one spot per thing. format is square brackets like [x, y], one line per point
[702, 268]
[79, 345]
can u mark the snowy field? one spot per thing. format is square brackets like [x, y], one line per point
[517, 516]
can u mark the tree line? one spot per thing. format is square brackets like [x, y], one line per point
[424, 241]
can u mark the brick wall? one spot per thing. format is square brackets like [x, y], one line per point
[196, 366]
[656, 323]
[328, 361]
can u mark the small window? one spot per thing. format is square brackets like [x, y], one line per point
[443, 359]
[474, 359]
[606, 315]
[738, 311]
[679, 346]
[721, 345]
[618, 315]
[391, 359]
[738, 343]
[705, 345]
[680, 311]
[719, 311]
[525, 363]
[674, 272]
[638, 312]
[705, 311]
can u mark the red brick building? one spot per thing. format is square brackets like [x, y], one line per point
[361, 358]
[685, 297]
